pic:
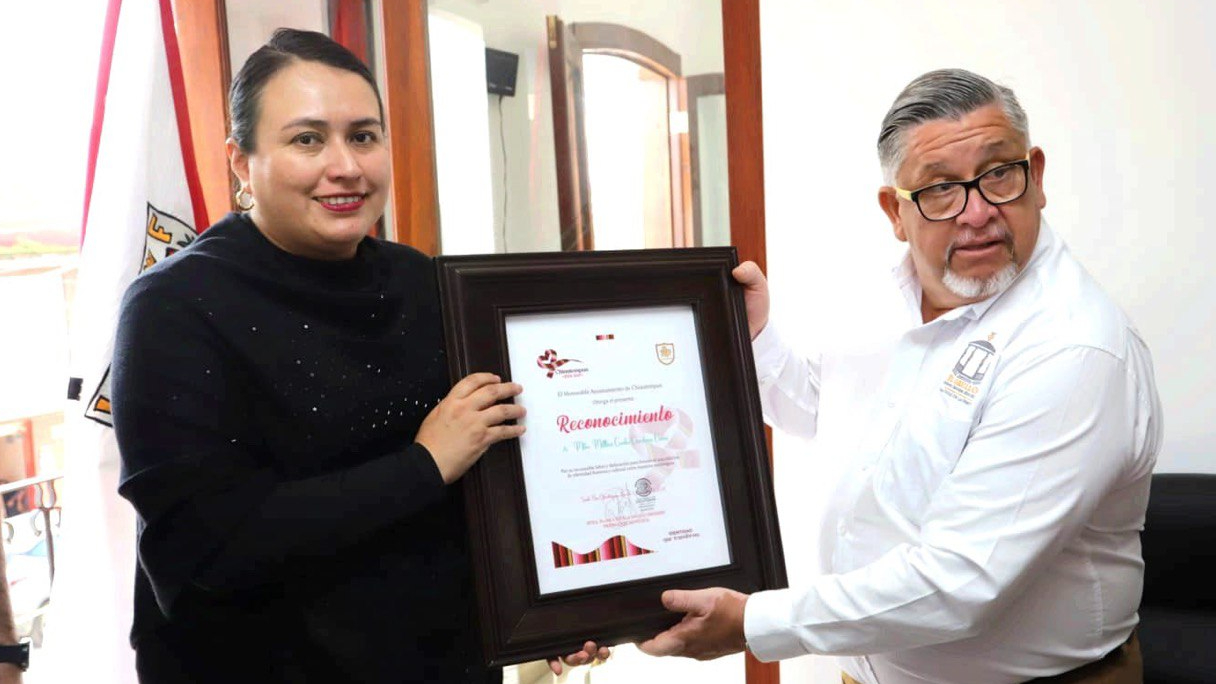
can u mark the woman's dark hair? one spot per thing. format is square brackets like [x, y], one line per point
[284, 47]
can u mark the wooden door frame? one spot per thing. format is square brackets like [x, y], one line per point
[411, 124]
[202, 34]
[744, 127]
[568, 43]
[569, 146]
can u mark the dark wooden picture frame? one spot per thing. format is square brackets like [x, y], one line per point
[478, 293]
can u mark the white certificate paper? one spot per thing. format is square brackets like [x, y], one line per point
[618, 457]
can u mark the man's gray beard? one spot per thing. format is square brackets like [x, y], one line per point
[980, 288]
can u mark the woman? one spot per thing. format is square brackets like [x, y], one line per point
[279, 392]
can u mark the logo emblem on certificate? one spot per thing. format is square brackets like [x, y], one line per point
[549, 361]
[645, 500]
[666, 352]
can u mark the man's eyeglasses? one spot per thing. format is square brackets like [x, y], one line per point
[998, 185]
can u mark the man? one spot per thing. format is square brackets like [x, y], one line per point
[1001, 442]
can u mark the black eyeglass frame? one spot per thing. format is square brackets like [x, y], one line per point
[914, 195]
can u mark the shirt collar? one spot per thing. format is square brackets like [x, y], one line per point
[904, 275]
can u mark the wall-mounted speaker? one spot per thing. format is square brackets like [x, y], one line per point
[500, 71]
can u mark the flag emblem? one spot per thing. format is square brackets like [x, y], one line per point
[166, 234]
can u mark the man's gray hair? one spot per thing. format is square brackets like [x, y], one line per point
[941, 94]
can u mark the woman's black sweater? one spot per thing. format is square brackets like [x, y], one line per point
[290, 530]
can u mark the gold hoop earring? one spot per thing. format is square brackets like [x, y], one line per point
[244, 199]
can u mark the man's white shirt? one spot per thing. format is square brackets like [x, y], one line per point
[987, 527]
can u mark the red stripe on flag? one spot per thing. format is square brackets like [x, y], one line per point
[99, 105]
[178, 84]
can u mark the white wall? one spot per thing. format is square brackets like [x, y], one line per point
[462, 134]
[693, 28]
[45, 190]
[715, 177]
[1115, 97]
[34, 350]
[1118, 95]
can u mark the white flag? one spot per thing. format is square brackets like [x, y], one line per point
[143, 202]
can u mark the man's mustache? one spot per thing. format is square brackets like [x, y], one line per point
[1003, 234]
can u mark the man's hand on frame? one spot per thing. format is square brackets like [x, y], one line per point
[712, 624]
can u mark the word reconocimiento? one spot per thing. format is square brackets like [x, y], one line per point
[567, 424]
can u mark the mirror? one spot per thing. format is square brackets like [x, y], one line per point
[613, 138]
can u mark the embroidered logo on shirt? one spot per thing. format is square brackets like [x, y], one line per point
[964, 380]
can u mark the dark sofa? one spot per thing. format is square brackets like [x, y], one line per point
[1178, 611]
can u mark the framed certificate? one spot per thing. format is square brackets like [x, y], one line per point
[643, 467]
